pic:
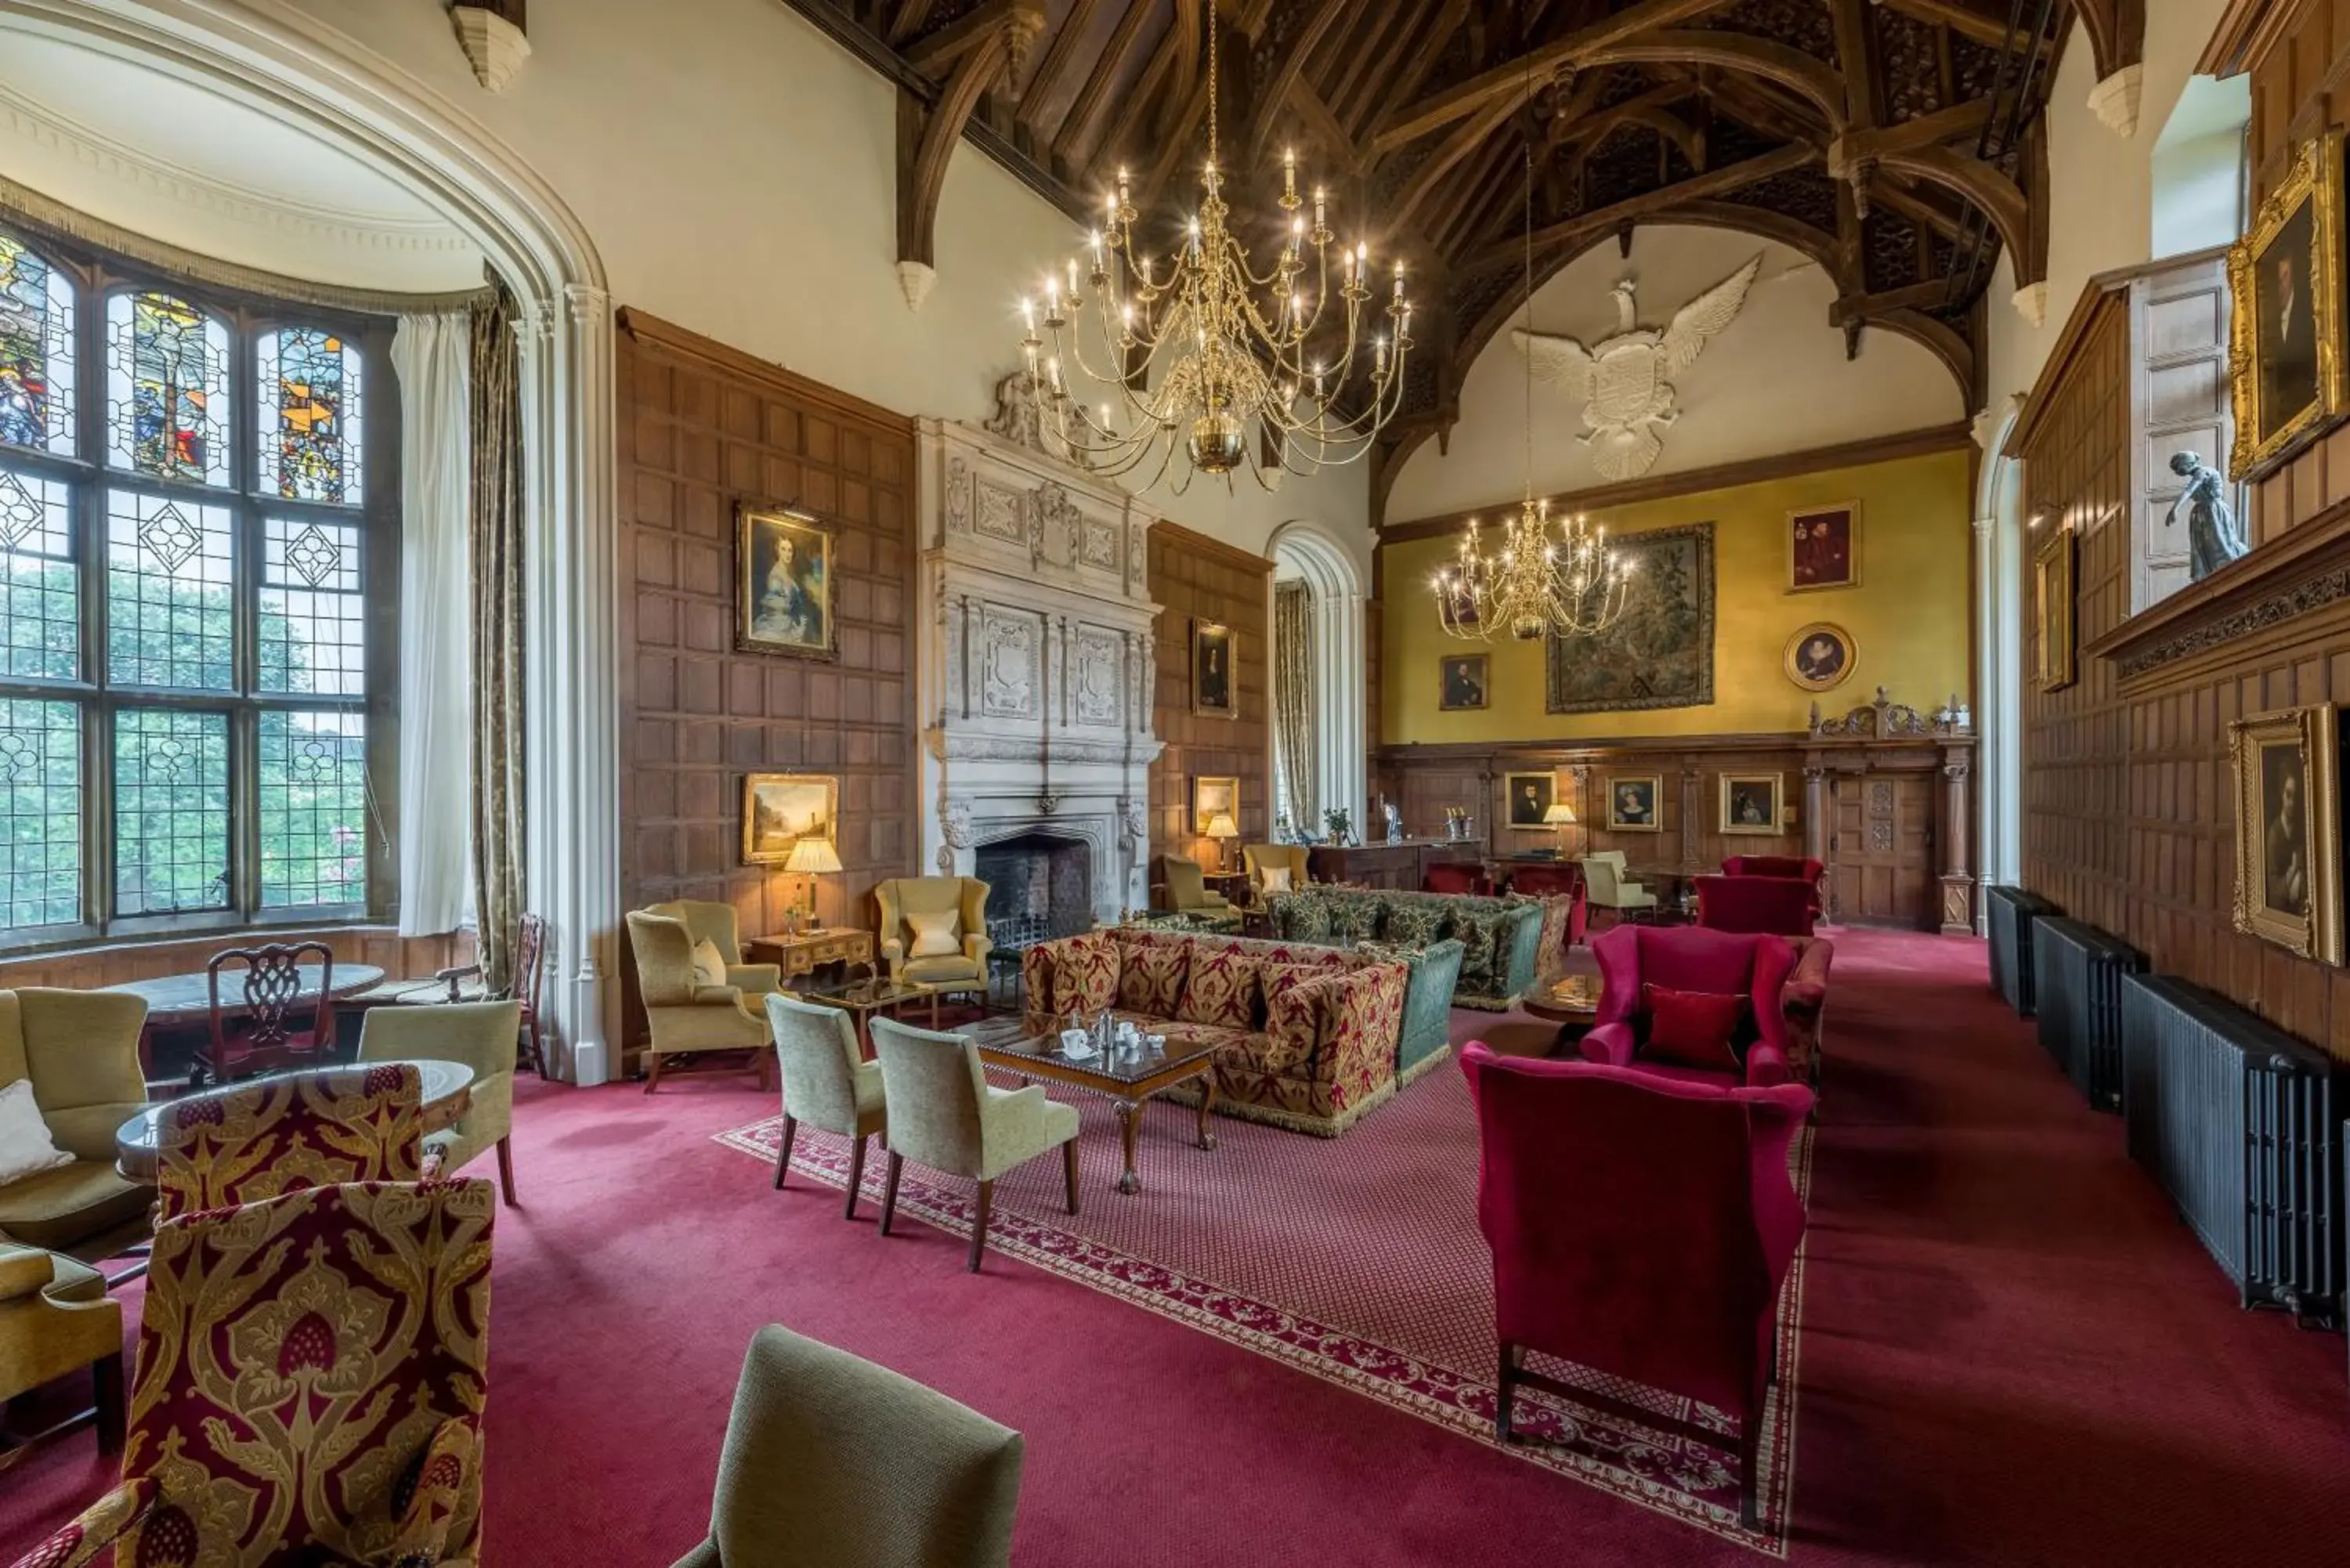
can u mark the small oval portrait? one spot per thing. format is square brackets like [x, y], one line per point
[1821, 657]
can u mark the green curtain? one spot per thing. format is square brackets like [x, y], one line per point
[1292, 702]
[496, 536]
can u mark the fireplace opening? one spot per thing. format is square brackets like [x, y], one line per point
[1039, 886]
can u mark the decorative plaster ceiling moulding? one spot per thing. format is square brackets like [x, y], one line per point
[2114, 101]
[45, 126]
[495, 44]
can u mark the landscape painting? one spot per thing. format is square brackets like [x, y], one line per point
[781, 809]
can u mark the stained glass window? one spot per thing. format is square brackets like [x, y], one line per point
[310, 415]
[169, 580]
[40, 814]
[40, 586]
[313, 616]
[313, 808]
[170, 811]
[37, 351]
[167, 406]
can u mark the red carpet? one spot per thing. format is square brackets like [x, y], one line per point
[2012, 1353]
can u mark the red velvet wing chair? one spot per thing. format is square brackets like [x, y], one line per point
[1774, 906]
[1635, 963]
[312, 1370]
[1457, 876]
[298, 1130]
[1802, 866]
[1663, 1272]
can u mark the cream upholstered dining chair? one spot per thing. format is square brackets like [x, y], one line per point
[1286, 858]
[827, 1082]
[690, 1003]
[477, 1035]
[833, 1462]
[934, 931]
[1609, 889]
[945, 1115]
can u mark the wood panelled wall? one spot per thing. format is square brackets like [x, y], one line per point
[702, 427]
[1194, 578]
[2129, 795]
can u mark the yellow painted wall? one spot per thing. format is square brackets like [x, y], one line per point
[1909, 617]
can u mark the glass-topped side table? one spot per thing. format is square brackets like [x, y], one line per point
[862, 996]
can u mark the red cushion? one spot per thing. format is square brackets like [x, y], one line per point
[1692, 1028]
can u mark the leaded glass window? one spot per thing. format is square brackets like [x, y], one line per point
[193, 622]
[310, 416]
[167, 405]
[37, 351]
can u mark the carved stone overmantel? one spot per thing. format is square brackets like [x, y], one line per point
[1033, 654]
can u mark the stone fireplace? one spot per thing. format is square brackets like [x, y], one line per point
[1036, 664]
[1039, 886]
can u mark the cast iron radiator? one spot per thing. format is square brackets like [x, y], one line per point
[2076, 981]
[2012, 912]
[2237, 1120]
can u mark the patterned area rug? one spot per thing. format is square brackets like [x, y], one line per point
[1355, 1260]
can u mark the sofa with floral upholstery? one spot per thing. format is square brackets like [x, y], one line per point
[1309, 1032]
[1509, 945]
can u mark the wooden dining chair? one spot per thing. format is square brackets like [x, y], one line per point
[526, 986]
[266, 1033]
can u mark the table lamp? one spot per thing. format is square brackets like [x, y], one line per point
[813, 857]
[1222, 829]
[1560, 815]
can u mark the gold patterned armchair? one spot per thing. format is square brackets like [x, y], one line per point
[312, 1374]
[934, 930]
[81, 1049]
[1262, 858]
[277, 1135]
[696, 1003]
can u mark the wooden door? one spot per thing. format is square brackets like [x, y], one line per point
[1881, 852]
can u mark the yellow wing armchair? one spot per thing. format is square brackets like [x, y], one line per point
[961, 903]
[81, 1049]
[706, 921]
[1260, 857]
[684, 1012]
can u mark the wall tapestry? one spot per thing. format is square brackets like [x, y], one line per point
[1660, 655]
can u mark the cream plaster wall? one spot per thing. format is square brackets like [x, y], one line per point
[736, 168]
[1734, 402]
[2101, 211]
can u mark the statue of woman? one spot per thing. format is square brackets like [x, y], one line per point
[2212, 537]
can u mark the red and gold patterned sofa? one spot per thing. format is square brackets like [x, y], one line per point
[1310, 1032]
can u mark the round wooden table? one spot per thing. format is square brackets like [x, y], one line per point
[178, 1001]
[1572, 1003]
[446, 1090]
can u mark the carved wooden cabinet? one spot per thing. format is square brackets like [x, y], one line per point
[809, 950]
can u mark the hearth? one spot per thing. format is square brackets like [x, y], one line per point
[1039, 886]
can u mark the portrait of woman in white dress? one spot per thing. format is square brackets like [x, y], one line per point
[786, 593]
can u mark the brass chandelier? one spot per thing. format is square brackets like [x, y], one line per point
[1208, 358]
[1536, 584]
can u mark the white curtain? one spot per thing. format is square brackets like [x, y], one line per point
[435, 647]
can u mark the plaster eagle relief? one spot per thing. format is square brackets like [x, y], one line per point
[1621, 381]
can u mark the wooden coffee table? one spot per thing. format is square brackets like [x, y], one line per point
[1572, 1003]
[1128, 1082]
[862, 998]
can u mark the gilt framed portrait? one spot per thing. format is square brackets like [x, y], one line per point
[2052, 612]
[784, 590]
[1751, 804]
[1531, 798]
[781, 809]
[2288, 768]
[1213, 693]
[2284, 277]
[1823, 547]
[1634, 803]
[1213, 797]
[1821, 657]
[1463, 681]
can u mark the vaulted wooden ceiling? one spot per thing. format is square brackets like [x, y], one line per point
[1897, 143]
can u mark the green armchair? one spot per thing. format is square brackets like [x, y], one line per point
[833, 1462]
[81, 1049]
[479, 1035]
[1188, 892]
[952, 911]
[945, 1115]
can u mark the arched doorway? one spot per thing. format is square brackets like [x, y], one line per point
[1309, 560]
[277, 60]
[2000, 546]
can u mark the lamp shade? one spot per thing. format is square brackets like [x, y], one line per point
[810, 855]
[1560, 814]
[1222, 825]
